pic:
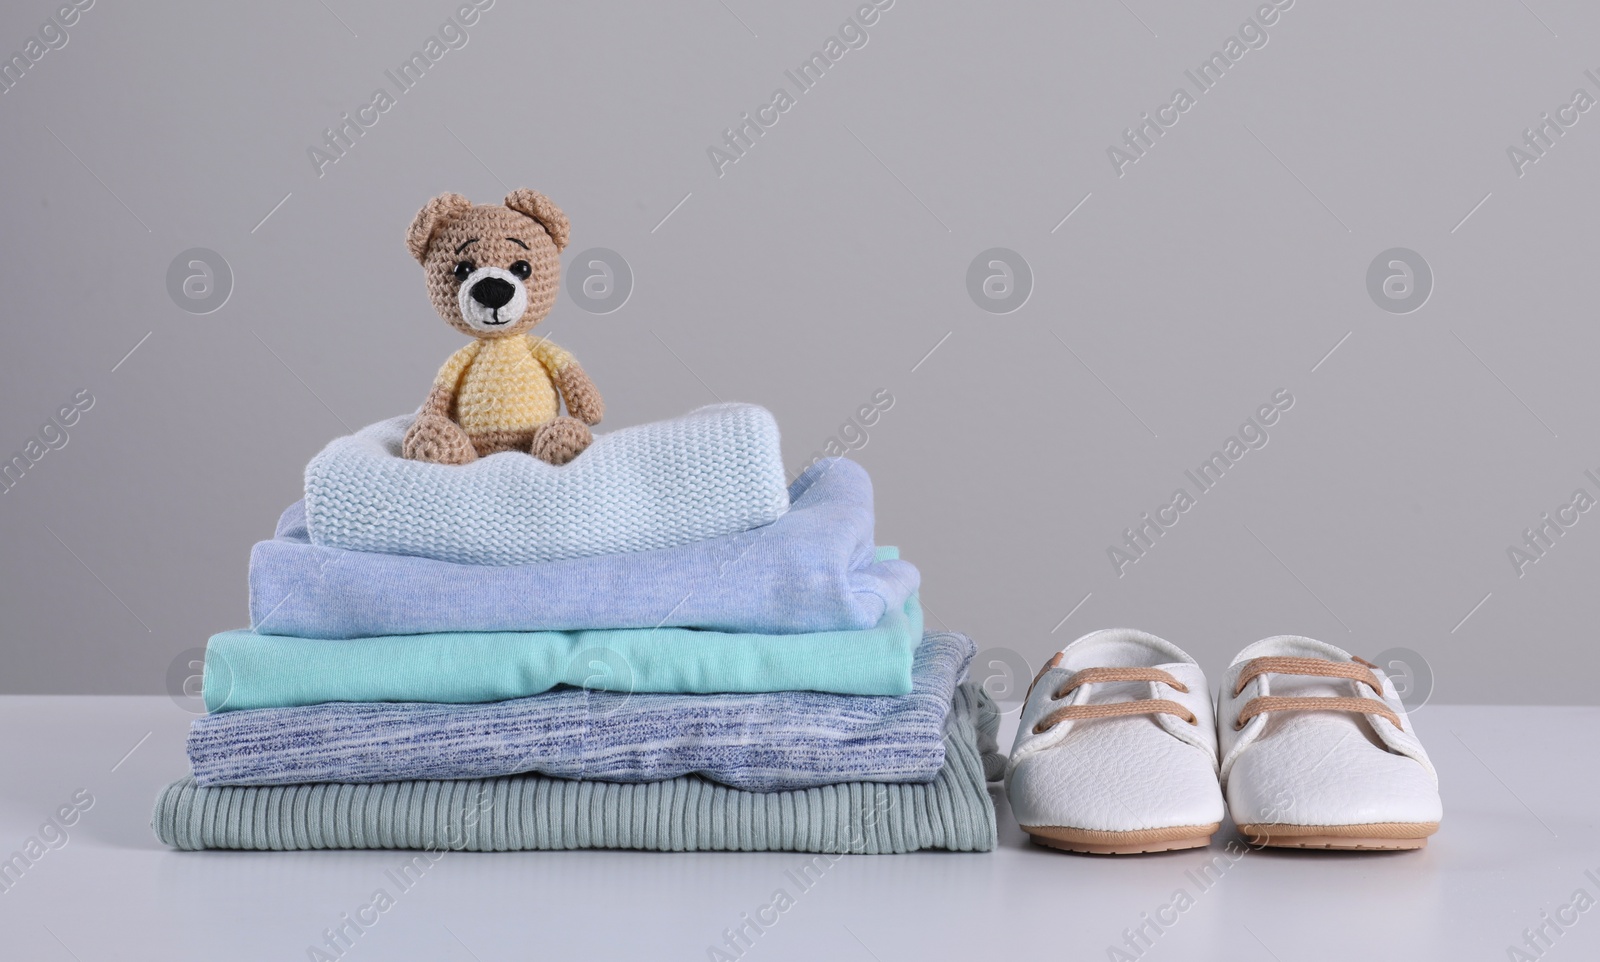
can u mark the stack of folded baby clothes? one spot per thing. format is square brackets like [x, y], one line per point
[656, 646]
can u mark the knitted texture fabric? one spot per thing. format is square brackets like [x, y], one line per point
[711, 472]
[814, 569]
[492, 272]
[763, 743]
[504, 384]
[534, 812]
[527, 227]
[244, 670]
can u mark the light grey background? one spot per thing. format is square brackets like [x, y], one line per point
[825, 266]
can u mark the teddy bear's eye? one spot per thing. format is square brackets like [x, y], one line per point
[464, 270]
[522, 269]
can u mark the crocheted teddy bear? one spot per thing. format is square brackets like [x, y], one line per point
[492, 273]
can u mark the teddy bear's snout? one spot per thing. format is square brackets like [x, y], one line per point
[492, 298]
[492, 292]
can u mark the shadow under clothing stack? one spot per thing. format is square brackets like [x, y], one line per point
[656, 646]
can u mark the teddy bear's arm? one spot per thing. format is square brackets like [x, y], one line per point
[443, 394]
[433, 436]
[583, 398]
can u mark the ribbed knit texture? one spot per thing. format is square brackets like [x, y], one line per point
[533, 812]
[768, 742]
[711, 472]
[811, 570]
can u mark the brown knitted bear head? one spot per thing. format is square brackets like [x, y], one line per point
[492, 270]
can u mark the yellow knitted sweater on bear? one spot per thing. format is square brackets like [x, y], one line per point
[504, 383]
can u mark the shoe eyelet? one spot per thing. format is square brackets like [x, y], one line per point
[1238, 725]
[1040, 730]
[1058, 694]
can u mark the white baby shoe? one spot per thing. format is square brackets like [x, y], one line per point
[1317, 751]
[1116, 750]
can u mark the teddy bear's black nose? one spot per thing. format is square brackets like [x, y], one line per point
[493, 293]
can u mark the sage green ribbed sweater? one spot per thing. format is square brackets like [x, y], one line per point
[531, 812]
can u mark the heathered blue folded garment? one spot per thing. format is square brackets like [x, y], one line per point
[711, 472]
[767, 742]
[533, 812]
[246, 670]
[813, 569]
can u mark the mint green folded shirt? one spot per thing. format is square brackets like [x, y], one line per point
[247, 670]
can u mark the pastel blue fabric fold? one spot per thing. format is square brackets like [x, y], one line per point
[711, 472]
[245, 669]
[813, 569]
[766, 742]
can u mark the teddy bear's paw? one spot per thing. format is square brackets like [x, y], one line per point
[560, 440]
[437, 440]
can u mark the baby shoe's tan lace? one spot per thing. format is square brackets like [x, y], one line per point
[1280, 665]
[1144, 706]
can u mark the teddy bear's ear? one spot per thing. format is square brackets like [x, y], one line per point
[434, 213]
[542, 209]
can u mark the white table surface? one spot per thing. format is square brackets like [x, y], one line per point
[1521, 790]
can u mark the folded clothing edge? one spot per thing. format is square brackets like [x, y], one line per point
[531, 813]
[760, 742]
[716, 470]
[246, 670]
[813, 569]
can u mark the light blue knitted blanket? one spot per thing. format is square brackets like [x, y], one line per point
[811, 570]
[763, 743]
[711, 472]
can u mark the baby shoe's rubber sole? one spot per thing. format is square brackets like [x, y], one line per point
[1373, 836]
[1092, 842]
